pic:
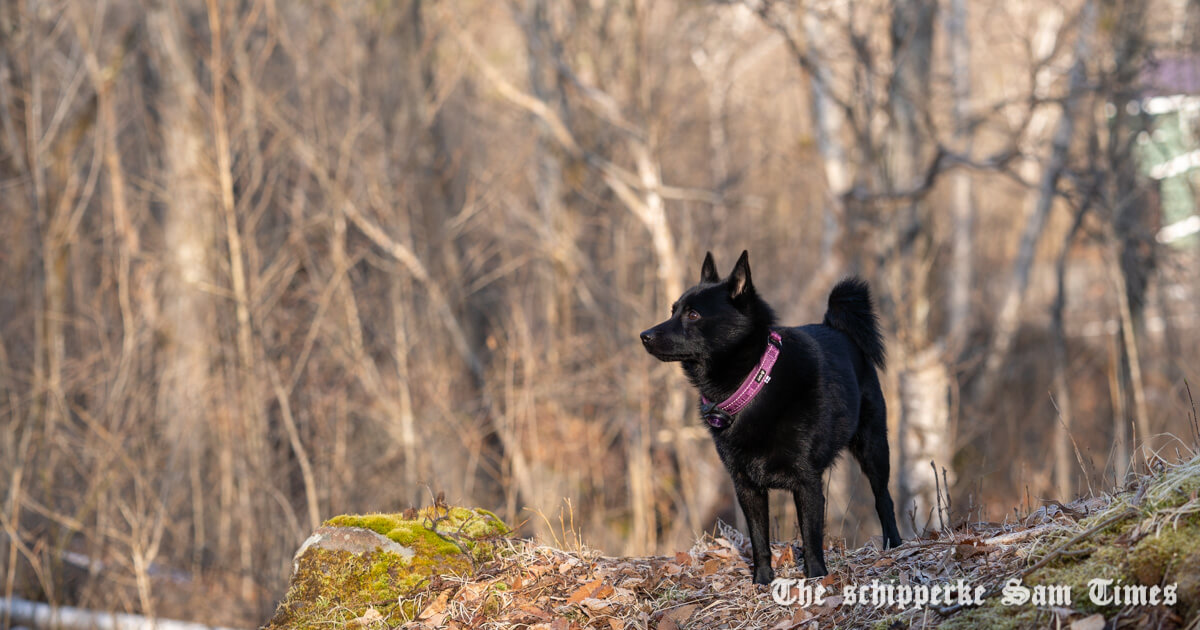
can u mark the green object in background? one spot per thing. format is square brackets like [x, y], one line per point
[1167, 152]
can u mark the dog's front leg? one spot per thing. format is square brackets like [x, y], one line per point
[754, 506]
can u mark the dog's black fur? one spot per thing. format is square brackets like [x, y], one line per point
[823, 396]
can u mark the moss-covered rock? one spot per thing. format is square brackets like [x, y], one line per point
[374, 562]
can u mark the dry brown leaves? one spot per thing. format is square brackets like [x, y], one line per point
[709, 586]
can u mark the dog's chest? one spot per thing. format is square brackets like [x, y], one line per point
[761, 464]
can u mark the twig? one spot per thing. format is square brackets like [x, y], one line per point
[1015, 537]
[456, 537]
[1127, 512]
[946, 611]
[1194, 420]
[938, 488]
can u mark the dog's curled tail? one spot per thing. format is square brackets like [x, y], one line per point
[851, 312]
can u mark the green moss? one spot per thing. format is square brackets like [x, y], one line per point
[1158, 545]
[993, 615]
[456, 521]
[491, 606]
[332, 588]
[378, 523]
[1171, 557]
[335, 587]
[420, 536]
[1157, 556]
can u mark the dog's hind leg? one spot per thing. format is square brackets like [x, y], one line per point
[870, 448]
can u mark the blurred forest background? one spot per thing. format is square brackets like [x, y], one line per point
[267, 262]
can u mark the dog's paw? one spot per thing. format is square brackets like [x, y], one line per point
[764, 575]
[815, 569]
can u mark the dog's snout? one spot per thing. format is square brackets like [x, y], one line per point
[647, 336]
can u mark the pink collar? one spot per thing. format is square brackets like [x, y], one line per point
[720, 415]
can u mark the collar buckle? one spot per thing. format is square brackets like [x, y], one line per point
[716, 417]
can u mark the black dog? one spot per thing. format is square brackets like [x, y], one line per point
[781, 403]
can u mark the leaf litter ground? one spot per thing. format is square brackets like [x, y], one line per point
[1146, 533]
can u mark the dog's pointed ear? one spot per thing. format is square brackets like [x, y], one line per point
[708, 271]
[739, 278]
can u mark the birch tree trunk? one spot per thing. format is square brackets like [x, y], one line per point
[962, 211]
[923, 437]
[188, 311]
[828, 122]
[924, 424]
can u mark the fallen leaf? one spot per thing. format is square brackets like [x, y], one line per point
[667, 624]
[615, 624]
[1094, 622]
[586, 591]
[711, 567]
[802, 615]
[470, 592]
[534, 611]
[962, 552]
[436, 607]
[680, 614]
[369, 617]
[683, 558]
[595, 605]
[623, 595]
[560, 624]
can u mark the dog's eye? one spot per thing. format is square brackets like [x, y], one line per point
[693, 316]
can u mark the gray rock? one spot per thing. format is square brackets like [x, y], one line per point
[353, 539]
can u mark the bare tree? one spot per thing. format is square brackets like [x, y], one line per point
[962, 206]
[188, 308]
[275, 261]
